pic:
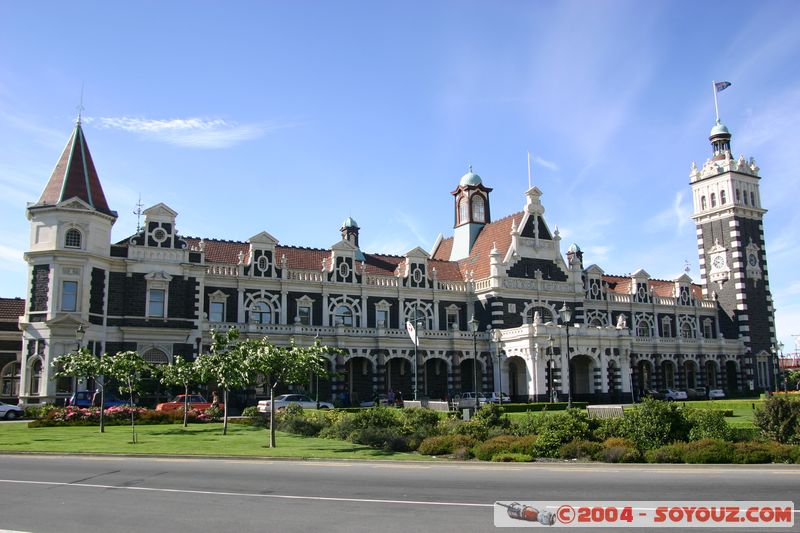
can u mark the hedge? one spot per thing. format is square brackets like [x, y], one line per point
[541, 406]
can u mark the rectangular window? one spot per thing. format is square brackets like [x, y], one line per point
[304, 312]
[156, 303]
[216, 312]
[452, 320]
[382, 318]
[708, 330]
[69, 296]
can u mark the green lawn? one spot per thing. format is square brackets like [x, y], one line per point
[174, 439]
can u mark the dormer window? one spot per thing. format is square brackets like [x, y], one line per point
[477, 209]
[72, 239]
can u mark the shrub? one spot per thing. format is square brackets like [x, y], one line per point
[300, 426]
[388, 439]
[213, 414]
[422, 422]
[512, 458]
[558, 429]
[671, 453]
[474, 428]
[608, 428]
[462, 454]
[527, 425]
[502, 444]
[618, 450]
[654, 423]
[762, 452]
[445, 444]
[340, 426]
[491, 414]
[254, 416]
[579, 449]
[377, 417]
[779, 420]
[708, 424]
[525, 445]
[707, 451]
[38, 411]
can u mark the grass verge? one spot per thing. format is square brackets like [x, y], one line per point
[200, 439]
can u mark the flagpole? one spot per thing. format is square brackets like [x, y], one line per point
[716, 106]
[529, 169]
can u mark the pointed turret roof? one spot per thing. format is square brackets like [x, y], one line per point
[75, 176]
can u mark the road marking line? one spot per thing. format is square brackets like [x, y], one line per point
[246, 494]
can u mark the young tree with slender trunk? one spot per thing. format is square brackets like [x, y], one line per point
[284, 364]
[126, 368]
[80, 364]
[180, 373]
[226, 365]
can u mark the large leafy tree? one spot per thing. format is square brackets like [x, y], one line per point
[126, 368]
[284, 364]
[180, 373]
[225, 364]
[81, 364]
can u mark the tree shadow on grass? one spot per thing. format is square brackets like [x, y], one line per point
[186, 431]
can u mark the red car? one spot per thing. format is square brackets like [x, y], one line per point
[195, 402]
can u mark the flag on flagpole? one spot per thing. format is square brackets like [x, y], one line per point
[411, 330]
[722, 85]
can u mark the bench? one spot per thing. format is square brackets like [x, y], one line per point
[605, 411]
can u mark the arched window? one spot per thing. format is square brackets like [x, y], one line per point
[643, 329]
[544, 314]
[72, 239]
[260, 313]
[666, 327]
[343, 315]
[722, 198]
[745, 197]
[477, 209]
[702, 202]
[686, 331]
[154, 356]
[752, 198]
[10, 380]
[738, 196]
[36, 378]
[713, 200]
[463, 214]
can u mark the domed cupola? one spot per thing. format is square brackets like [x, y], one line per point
[349, 231]
[471, 213]
[574, 251]
[720, 138]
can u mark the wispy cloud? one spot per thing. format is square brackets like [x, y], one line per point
[188, 132]
[11, 258]
[550, 165]
[677, 216]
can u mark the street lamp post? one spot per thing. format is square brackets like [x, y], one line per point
[316, 375]
[550, 369]
[79, 334]
[776, 350]
[566, 315]
[494, 337]
[473, 326]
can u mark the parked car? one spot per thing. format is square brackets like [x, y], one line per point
[196, 401]
[716, 394]
[10, 412]
[673, 395]
[84, 398]
[696, 393]
[467, 399]
[495, 397]
[382, 400]
[284, 400]
[654, 394]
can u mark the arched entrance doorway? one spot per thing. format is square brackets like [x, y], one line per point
[399, 377]
[581, 374]
[517, 379]
[690, 373]
[359, 379]
[644, 377]
[468, 375]
[320, 385]
[732, 376]
[435, 378]
[614, 377]
[668, 373]
[711, 375]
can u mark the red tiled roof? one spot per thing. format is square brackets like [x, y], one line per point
[302, 258]
[11, 308]
[497, 234]
[446, 270]
[662, 288]
[219, 251]
[383, 265]
[75, 175]
[443, 251]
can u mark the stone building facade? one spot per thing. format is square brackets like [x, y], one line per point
[161, 293]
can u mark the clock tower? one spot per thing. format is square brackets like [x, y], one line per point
[733, 259]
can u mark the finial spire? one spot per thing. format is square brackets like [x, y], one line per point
[80, 108]
[138, 214]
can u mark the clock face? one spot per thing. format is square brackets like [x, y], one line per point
[753, 260]
[718, 261]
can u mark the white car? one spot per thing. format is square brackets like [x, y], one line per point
[10, 412]
[716, 394]
[284, 400]
[673, 395]
[467, 399]
[495, 397]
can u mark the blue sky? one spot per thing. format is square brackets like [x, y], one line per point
[290, 116]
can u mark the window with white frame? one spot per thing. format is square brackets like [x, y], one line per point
[463, 210]
[156, 303]
[304, 311]
[35, 377]
[643, 328]
[687, 331]
[477, 209]
[69, 296]
[452, 317]
[260, 313]
[708, 329]
[343, 315]
[9, 379]
[73, 238]
[666, 326]
[216, 311]
[382, 314]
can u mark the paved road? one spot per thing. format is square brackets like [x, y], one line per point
[119, 494]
